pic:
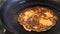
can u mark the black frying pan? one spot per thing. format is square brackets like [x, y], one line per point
[12, 8]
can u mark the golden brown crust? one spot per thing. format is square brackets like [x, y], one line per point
[37, 19]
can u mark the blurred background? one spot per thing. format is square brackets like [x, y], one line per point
[1, 28]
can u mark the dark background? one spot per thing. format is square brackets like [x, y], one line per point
[1, 27]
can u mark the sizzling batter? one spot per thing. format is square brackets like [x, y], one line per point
[37, 19]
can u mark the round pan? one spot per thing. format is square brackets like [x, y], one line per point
[12, 8]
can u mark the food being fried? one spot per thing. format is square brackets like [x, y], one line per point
[37, 19]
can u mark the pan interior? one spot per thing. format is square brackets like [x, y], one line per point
[37, 18]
